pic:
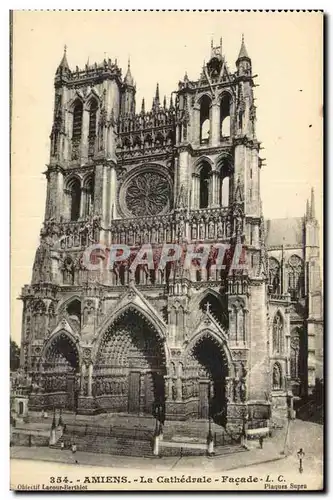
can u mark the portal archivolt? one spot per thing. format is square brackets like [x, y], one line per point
[130, 366]
[60, 371]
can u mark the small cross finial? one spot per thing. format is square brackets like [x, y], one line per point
[65, 48]
[207, 307]
[242, 37]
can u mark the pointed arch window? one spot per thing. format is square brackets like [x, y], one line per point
[205, 104]
[73, 310]
[223, 182]
[295, 277]
[278, 334]
[89, 196]
[274, 275]
[224, 191]
[77, 120]
[74, 191]
[225, 130]
[205, 181]
[92, 126]
[77, 129]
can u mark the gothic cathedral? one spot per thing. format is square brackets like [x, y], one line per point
[200, 342]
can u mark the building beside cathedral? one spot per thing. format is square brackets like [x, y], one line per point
[229, 343]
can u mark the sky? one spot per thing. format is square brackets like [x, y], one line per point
[286, 53]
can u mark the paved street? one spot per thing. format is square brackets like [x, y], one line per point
[255, 462]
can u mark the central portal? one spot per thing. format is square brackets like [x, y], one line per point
[130, 367]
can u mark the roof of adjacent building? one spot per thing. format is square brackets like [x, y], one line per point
[287, 231]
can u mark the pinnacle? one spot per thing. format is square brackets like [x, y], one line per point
[243, 52]
[63, 63]
[129, 78]
[157, 93]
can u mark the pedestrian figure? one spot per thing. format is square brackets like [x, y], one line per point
[261, 441]
[300, 455]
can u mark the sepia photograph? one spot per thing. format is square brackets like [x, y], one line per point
[166, 251]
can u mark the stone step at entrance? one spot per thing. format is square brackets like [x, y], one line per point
[196, 431]
[108, 445]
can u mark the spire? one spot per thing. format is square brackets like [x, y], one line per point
[312, 205]
[307, 213]
[129, 78]
[157, 96]
[143, 106]
[63, 66]
[164, 102]
[243, 52]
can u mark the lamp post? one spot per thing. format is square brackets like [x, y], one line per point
[156, 434]
[54, 419]
[53, 437]
[243, 435]
[300, 455]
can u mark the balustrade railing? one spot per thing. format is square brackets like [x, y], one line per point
[73, 234]
[210, 224]
[194, 225]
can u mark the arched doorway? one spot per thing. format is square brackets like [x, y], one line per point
[207, 368]
[130, 367]
[61, 372]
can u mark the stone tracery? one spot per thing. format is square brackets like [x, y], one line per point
[147, 194]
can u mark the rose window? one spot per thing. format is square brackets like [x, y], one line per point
[148, 193]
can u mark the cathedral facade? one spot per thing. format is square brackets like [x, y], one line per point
[230, 343]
